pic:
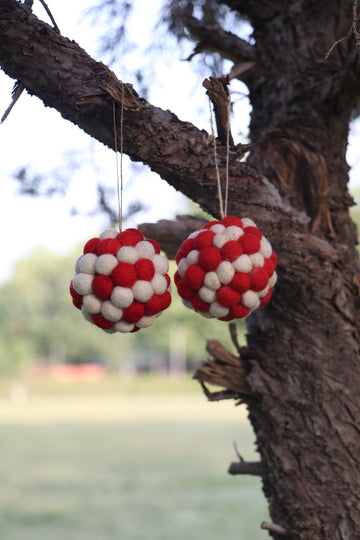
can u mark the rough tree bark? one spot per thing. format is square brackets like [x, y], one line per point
[301, 367]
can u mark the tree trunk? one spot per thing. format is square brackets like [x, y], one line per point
[303, 348]
[305, 345]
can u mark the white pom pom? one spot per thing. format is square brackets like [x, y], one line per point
[82, 283]
[193, 257]
[128, 254]
[217, 310]
[264, 292]
[161, 264]
[124, 327]
[219, 240]
[257, 260]
[87, 263]
[122, 297]
[87, 316]
[159, 284]
[217, 228]
[272, 280]
[265, 248]
[208, 295]
[187, 303]
[206, 314]
[195, 233]
[212, 281]
[243, 264]
[183, 266]
[247, 222]
[142, 290]
[111, 330]
[250, 299]
[91, 304]
[108, 233]
[225, 272]
[146, 321]
[145, 250]
[233, 232]
[111, 312]
[77, 265]
[105, 264]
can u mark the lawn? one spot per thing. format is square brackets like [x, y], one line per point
[132, 463]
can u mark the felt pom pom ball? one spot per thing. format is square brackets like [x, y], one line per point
[121, 282]
[226, 269]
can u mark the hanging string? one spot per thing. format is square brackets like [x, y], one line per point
[227, 155]
[119, 170]
[218, 181]
[222, 206]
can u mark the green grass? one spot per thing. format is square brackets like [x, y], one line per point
[132, 466]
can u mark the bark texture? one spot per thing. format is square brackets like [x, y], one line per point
[301, 369]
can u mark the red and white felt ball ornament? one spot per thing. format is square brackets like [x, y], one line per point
[121, 282]
[226, 270]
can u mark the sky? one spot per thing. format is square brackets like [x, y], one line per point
[38, 137]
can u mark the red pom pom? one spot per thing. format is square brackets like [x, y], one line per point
[101, 322]
[102, 286]
[241, 282]
[199, 304]
[108, 245]
[210, 224]
[209, 258]
[179, 255]
[155, 244]
[274, 259]
[259, 279]
[124, 274]
[194, 276]
[228, 318]
[203, 240]
[227, 297]
[239, 311]
[254, 231]
[145, 269]
[250, 243]
[269, 267]
[168, 280]
[231, 220]
[266, 299]
[76, 297]
[134, 312]
[153, 306]
[130, 237]
[165, 300]
[231, 250]
[245, 275]
[187, 246]
[90, 246]
[177, 277]
[184, 290]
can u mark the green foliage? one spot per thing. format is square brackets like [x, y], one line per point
[38, 323]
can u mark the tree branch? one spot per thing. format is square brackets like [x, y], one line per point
[171, 233]
[215, 39]
[218, 92]
[225, 370]
[253, 468]
[66, 78]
